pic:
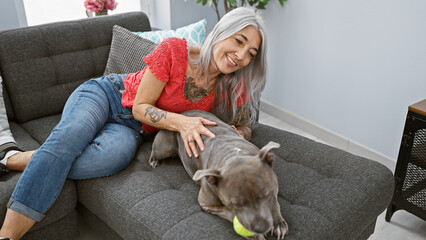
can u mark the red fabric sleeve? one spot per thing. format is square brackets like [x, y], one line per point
[160, 61]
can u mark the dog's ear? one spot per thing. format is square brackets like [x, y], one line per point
[266, 155]
[210, 174]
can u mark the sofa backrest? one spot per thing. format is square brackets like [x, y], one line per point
[42, 65]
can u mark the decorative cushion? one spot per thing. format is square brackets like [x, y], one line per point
[127, 50]
[193, 33]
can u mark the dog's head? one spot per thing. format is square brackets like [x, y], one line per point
[248, 187]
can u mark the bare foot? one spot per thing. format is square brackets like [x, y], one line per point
[19, 161]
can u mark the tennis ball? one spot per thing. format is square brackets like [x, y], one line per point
[240, 229]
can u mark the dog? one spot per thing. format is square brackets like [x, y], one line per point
[236, 178]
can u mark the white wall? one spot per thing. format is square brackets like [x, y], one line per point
[186, 12]
[350, 66]
[158, 12]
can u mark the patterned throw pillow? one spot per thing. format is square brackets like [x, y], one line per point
[193, 33]
[126, 52]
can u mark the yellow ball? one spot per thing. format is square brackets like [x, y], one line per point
[240, 229]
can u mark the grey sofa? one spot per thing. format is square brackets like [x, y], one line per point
[324, 193]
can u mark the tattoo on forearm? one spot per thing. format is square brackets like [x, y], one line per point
[155, 114]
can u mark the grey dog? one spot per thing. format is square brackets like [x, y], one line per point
[236, 178]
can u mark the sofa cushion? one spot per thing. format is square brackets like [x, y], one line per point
[42, 65]
[324, 193]
[127, 51]
[193, 33]
[32, 134]
[24, 140]
[39, 129]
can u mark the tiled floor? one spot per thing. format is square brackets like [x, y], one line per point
[402, 226]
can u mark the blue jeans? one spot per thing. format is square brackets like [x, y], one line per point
[96, 137]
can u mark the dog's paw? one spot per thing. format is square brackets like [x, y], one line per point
[153, 162]
[280, 229]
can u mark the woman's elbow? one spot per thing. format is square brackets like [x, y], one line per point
[137, 112]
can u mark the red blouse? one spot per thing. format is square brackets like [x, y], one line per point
[168, 62]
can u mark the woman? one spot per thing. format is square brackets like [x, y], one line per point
[106, 119]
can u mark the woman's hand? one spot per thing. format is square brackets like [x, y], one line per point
[191, 129]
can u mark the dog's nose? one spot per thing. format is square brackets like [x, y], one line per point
[260, 225]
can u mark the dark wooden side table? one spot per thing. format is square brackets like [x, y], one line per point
[410, 171]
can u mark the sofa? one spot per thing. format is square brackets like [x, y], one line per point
[324, 192]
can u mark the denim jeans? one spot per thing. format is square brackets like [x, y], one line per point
[95, 137]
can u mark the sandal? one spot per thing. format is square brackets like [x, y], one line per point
[3, 151]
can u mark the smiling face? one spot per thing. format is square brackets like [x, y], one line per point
[236, 51]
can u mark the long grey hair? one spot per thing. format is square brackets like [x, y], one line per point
[229, 88]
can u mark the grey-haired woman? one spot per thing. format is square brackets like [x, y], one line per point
[225, 76]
